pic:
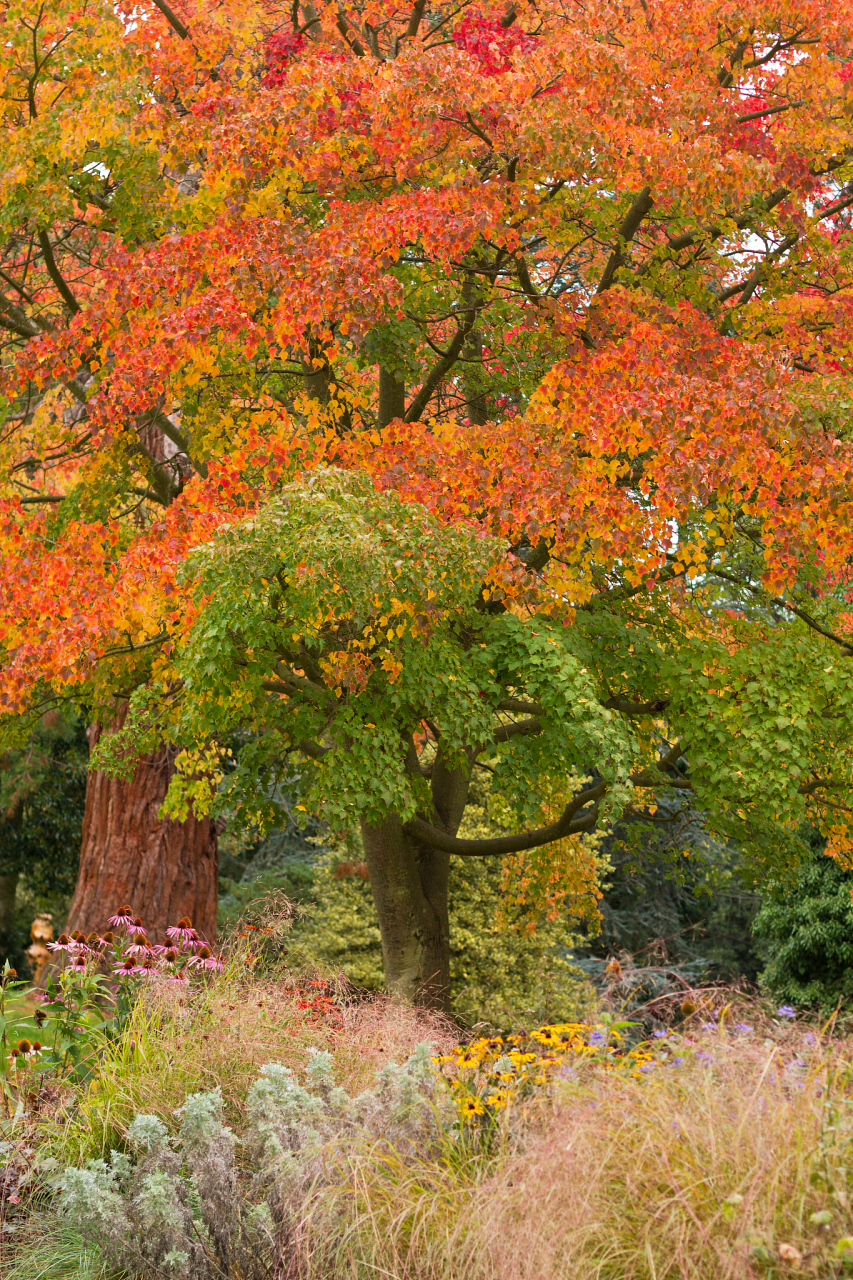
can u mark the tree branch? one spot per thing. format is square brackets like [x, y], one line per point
[651, 777]
[354, 43]
[523, 708]
[627, 230]
[844, 644]
[438, 371]
[172, 19]
[525, 728]
[415, 19]
[570, 822]
[769, 111]
[629, 708]
[53, 271]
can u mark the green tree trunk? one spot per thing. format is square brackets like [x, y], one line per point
[409, 882]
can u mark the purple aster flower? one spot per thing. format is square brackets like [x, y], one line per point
[597, 1038]
[743, 1028]
[785, 1011]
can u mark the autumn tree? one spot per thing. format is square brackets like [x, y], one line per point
[418, 392]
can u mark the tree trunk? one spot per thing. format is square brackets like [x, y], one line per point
[409, 883]
[392, 397]
[8, 890]
[163, 869]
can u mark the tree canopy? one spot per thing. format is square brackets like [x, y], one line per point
[431, 389]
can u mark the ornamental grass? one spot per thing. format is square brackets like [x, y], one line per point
[724, 1154]
[717, 1149]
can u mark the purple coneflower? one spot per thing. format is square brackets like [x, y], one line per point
[127, 968]
[122, 919]
[183, 931]
[63, 943]
[205, 959]
[140, 946]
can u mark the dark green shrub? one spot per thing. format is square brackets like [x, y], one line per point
[808, 928]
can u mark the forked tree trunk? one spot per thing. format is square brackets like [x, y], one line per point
[409, 882]
[163, 869]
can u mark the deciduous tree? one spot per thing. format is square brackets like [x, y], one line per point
[431, 390]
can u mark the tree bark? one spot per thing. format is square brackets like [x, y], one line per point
[409, 882]
[409, 886]
[392, 398]
[163, 869]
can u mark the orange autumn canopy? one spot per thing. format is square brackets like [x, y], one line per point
[443, 382]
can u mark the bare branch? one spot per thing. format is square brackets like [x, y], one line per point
[442, 367]
[843, 643]
[629, 708]
[522, 707]
[354, 43]
[415, 18]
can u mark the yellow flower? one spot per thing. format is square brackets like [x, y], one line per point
[470, 1107]
[500, 1098]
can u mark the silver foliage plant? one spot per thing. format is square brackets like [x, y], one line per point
[178, 1207]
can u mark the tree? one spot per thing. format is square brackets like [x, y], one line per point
[399, 389]
[42, 790]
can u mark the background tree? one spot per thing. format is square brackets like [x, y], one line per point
[399, 387]
[42, 792]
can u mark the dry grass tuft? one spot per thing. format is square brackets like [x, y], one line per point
[730, 1164]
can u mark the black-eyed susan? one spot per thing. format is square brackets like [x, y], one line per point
[470, 1107]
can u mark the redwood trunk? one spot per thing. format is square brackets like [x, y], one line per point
[163, 869]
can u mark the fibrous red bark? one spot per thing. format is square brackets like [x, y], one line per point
[163, 869]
